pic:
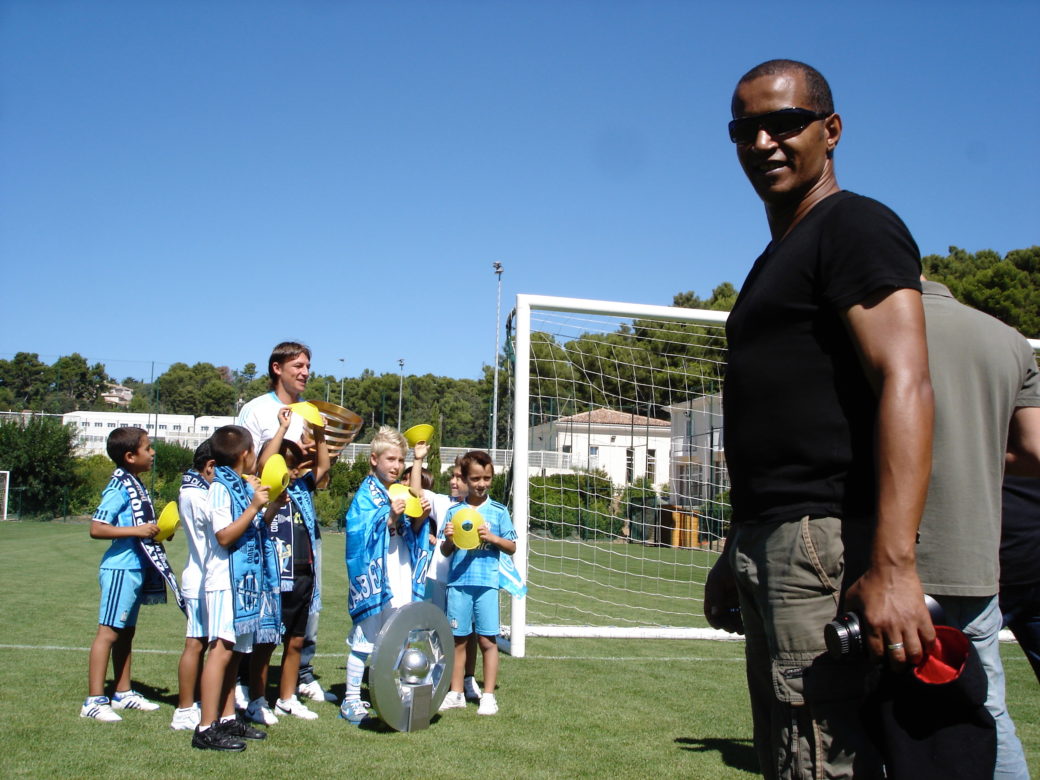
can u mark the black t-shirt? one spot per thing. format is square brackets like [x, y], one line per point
[799, 411]
[1020, 533]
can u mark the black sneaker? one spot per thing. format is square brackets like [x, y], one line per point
[241, 728]
[216, 738]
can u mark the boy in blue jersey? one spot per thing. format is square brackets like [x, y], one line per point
[473, 580]
[387, 555]
[125, 517]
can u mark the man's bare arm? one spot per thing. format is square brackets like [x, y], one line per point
[889, 332]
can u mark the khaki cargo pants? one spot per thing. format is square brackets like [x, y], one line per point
[805, 705]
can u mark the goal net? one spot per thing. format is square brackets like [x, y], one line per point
[5, 483]
[619, 484]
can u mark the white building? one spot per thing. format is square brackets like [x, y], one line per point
[626, 446]
[183, 429]
[698, 463]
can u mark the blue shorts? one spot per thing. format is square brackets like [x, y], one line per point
[473, 605]
[120, 597]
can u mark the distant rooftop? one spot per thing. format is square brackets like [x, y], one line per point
[613, 417]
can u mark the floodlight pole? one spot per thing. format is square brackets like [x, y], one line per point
[341, 368]
[497, 267]
[400, 392]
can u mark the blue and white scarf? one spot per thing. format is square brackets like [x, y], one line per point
[159, 574]
[253, 568]
[192, 479]
[300, 497]
[368, 543]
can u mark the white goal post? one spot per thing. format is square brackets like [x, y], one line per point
[5, 489]
[619, 483]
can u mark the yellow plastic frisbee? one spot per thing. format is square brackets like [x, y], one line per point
[309, 412]
[412, 505]
[275, 476]
[168, 522]
[467, 522]
[418, 433]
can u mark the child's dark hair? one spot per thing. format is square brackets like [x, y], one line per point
[228, 443]
[203, 455]
[283, 352]
[475, 457]
[122, 442]
[427, 477]
[292, 452]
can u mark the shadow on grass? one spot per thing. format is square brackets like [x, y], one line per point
[150, 692]
[737, 753]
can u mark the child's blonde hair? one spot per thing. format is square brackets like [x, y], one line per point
[387, 437]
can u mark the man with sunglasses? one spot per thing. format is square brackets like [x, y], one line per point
[828, 425]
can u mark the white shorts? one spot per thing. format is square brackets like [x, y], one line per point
[198, 624]
[363, 635]
[221, 613]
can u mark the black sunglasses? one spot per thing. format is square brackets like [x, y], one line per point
[779, 124]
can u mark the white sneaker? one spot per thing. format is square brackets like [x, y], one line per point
[132, 700]
[258, 712]
[471, 689]
[488, 705]
[294, 706]
[454, 700]
[241, 698]
[186, 719]
[315, 692]
[98, 708]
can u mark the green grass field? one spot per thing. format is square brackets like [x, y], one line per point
[572, 708]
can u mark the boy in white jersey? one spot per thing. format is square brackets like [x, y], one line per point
[191, 506]
[239, 600]
[387, 554]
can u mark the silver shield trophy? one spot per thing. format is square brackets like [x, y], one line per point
[410, 668]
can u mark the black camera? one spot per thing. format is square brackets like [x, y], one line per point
[844, 634]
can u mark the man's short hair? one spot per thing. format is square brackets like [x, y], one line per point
[122, 442]
[475, 457]
[816, 85]
[203, 455]
[228, 444]
[387, 437]
[282, 353]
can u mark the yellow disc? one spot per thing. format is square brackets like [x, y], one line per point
[168, 521]
[412, 505]
[467, 522]
[309, 412]
[275, 475]
[418, 433]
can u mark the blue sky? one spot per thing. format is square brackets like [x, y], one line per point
[196, 181]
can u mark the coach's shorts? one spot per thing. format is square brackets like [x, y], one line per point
[364, 633]
[296, 604]
[220, 609]
[198, 624]
[473, 605]
[120, 597]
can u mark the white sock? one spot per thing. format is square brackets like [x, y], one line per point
[355, 672]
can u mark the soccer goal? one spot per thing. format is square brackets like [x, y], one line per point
[619, 484]
[5, 486]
